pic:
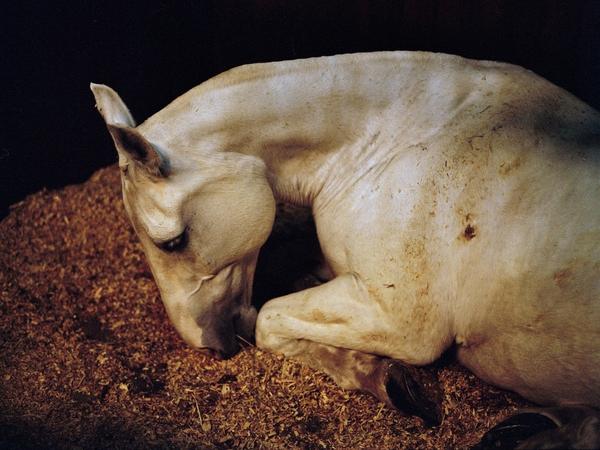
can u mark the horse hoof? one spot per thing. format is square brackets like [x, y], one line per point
[515, 430]
[550, 428]
[414, 392]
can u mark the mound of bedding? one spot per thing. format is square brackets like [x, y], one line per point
[90, 360]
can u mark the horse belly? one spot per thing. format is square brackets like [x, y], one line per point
[544, 368]
[538, 332]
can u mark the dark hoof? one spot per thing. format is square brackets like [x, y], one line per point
[514, 431]
[413, 392]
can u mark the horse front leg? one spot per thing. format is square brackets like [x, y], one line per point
[328, 328]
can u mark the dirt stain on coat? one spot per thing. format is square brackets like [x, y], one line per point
[562, 277]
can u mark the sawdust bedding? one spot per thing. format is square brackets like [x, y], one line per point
[89, 359]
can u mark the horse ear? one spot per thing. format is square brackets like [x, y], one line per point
[111, 107]
[133, 146]
[130, 144]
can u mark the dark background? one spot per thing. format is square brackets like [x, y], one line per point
[153, 51]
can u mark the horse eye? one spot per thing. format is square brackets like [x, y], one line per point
[175, 244]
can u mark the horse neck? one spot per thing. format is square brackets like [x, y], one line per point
[295, 135]
[297, 171]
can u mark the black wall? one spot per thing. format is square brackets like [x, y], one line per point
[152, 51]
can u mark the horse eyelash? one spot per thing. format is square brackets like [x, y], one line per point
[176, 244]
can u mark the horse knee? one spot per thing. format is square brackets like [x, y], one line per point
[264, 339]
[266, 333]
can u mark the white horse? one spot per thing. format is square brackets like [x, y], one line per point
[456, 202]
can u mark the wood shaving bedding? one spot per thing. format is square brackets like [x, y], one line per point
[90, 360]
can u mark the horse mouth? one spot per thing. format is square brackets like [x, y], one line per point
[217, 354]
[230, 340]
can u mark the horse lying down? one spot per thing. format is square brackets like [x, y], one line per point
[456, 202]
